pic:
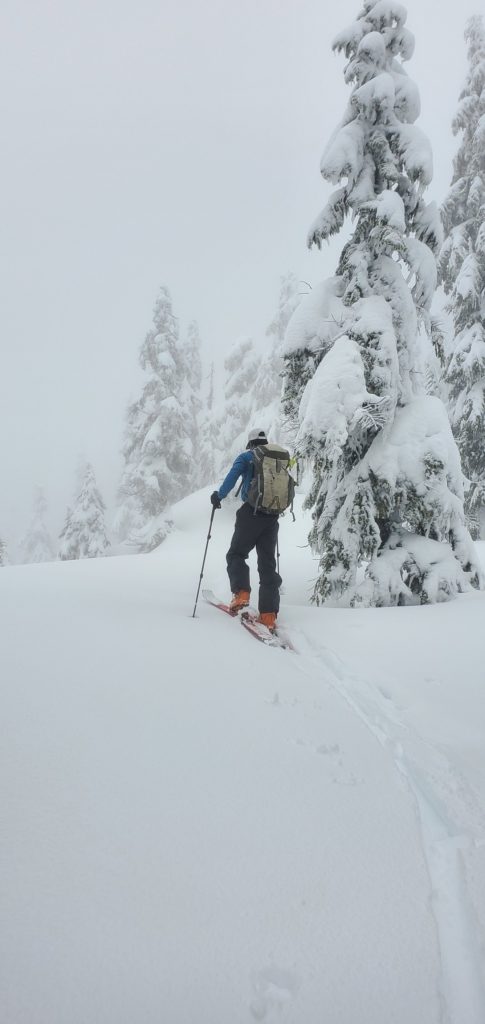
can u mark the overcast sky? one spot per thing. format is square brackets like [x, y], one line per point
[173, 141]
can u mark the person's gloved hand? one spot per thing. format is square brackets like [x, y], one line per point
[215, 499]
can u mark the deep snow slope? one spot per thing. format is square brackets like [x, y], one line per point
[197, 829]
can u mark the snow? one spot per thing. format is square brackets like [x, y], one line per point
[479, 134]
[377, 94]
[475, 401]
[382, 18]
[198, 828]
[373, 48]
[336, 401]
[468, 284]
[165, 359]
[475, 194]
[403, 42]
[420, 429]
[408, 102]
[349, 38]
[404, 558]
[331, 218]
[343, 156]
[317, 319]
[333, 395]
[416, 153]
[389, 208]
[423, 266]
[428, 226]
[469, 352]
[386, 12]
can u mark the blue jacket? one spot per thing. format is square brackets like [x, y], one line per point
[243, 466]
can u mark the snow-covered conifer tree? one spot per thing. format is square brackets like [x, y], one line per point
[3, 553]
[252, 389]
[160, 435]
[191, 385]
[289, 298]
[191, 399]
[209, 451]
[241, 369]
[267, 389]
[462, 273]
[36, 544]
[84, 532]
[387, 491]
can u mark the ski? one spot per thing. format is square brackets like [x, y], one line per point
[263, 634]
[248, 619]
[211, 598]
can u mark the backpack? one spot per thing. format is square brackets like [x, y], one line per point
[271, 488]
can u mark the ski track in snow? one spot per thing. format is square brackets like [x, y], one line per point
[450, 823]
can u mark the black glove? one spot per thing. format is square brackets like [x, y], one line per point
[215, 499]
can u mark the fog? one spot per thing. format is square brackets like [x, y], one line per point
[169, 142]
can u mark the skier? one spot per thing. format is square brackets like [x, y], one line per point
[254, 528]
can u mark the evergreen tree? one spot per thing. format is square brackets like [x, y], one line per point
[84, 532]
[288, 301]
[3, 553]
[209, 452]
[191, 398]
[241, 370]
[160, 438]
[387, 482]
[462, 273]
[267, 389]
[192, 378]
[253, 384]
[36, 545]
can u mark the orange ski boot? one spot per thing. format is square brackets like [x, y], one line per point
[239, 600]
[267, 619]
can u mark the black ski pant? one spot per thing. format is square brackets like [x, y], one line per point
[259, 531]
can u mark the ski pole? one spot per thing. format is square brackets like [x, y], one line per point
[203, 562]
[277, 555]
